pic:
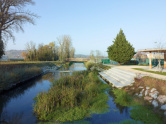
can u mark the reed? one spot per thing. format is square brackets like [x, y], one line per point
[16, 75]
[72, 98]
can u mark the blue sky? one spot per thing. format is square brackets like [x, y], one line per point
[93, 24]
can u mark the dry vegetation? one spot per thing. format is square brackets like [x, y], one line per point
[12, 73]
[160, 85]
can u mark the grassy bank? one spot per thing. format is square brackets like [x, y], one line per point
[12, 73]
[99, 66]
[154, 72]
[159, 85]
[17, 75]
[72, 98]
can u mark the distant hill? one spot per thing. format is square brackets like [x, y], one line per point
[80, 56]
[14, 53]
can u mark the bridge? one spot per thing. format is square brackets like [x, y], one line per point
[77, 59]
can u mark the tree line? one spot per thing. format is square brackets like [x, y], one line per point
[60, 50]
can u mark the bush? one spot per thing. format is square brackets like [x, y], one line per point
[96, 66]
[89, 65]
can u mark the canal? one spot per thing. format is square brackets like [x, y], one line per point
[16, 106]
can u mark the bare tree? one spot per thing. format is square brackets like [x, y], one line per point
[72, 52]
[92, 57]
[60, 49]
[98, 56]
[65, 47]
[31, 49]
[12, 17]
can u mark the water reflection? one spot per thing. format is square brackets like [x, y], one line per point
[14, 119]
[122, 109]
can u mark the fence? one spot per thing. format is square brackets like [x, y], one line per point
[135, 62]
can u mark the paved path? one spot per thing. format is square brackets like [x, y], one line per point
[129, 68]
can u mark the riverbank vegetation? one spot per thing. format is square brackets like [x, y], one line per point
[17, 75]
[12, 73]
[159, 85]
[140, 111]
[97, 66]
[72, 98]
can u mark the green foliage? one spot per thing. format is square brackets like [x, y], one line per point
[98, 66]
[72, 98]
[128, 122]
[123, 98]
[121, 51]
[89, 65]
[145, 114]
[139, 112]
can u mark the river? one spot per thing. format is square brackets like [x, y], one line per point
[17, 104]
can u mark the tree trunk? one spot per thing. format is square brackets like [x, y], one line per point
[1, 44]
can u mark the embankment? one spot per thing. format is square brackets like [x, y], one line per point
[14, 74]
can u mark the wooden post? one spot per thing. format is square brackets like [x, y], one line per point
[150, 60]
[164, 60]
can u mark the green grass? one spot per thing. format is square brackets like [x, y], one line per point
[154, 72]
[72, 98]
[89, 65]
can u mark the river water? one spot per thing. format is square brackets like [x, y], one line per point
[17, 104]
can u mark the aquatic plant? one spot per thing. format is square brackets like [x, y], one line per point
[139, 112]
[123, 98]
[128, 122]
[72, 98]
[146, 115]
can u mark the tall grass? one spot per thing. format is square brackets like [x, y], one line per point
[16, 75]
[72, 98]
[89, 65]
